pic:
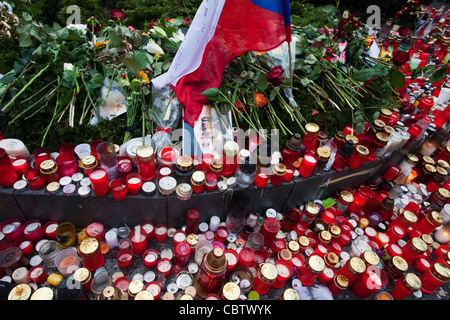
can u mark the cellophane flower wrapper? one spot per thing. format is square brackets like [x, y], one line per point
[115, 102]
[280, 56]
[166, 114]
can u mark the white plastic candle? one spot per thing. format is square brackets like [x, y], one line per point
[179, 236]
[214, 223]
[151, 257]
[111, 238]
[20, 275]
[137, 233]
[14, 148]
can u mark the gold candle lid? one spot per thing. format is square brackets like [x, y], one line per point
[216, 165]
[303, 242]
[352, 138]
[112, 293]
[231, 291]
[269, 271]
[315, 263]
[293, 246]
[285, 254]
[400, 263]
[412, 158]
[331, 258]
[89, 246]
[357, 265]
[311, 128]
[323, 153]
[389, 130]
[231, 148]
[144, 295]
[412, 282]
[184, 162]
[435, 218]
[324, 236]
[88, 162]
[186, 297]
[378, 124]
[440, 271]
[290, 294]
[82, 275]
[363, 223]
[371, 257]
[362, 151]
[198, 178]
[48, 166]
[427, 159]
[335, 231]
[279, 169]
[430, 169]
[312, 208]
[340, 135]
[442, 163]
[192, 239]
[346, 196]
[441, 172]
[20, 292]
[427, 238]
[408, 217]
[385, 112]
[135, 287]
[382, 138]
[43, 293]
[341, 281]
[144, 152]
[443, 194]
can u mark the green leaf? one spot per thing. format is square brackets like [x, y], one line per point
[160, 32]
[438, 75]
[305, 82]
[329, 9]
[310, 59]
[95, 82]
[25, 40]
[26, 16]
[262, 82]
[360, 127]
[211, 93]
[397, 79]
[364, 75]
[131, 64]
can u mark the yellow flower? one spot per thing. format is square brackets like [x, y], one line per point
[141, 74]
[103, 44]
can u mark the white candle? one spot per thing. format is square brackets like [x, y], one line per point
[36, 272]
[442, 235]
[111, 238]
[134, 180]
[24, 244]
[137, 233]
[164, 266]
[214, 223]
[10, 227]
[179, 236]
[282, 270]
[231, 258]
[20, 275]
[154, 289]
[151, 257]
[32, 227]
[51, 228]
[148, 227]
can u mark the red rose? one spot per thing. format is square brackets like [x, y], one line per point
[400, 58]
[275, 76]
[117, 14]
[152, 24]
[93, 23]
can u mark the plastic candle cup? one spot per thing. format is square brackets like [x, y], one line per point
[288, 175]
[182, 252]
[266, 275]
[124, 166]
[67, 261]
[37, 274]
[107, 159]
[124, 258]
[138, 239]
[150, 258]
[119, 188]
[99, 182]
[67, 165]
[261, 180]
[50, 230]
[160, 232]
[149, 230]
[154, 288]
[145, 157]
[179, 236]
[307, 165]
[436, 276]
[373, 280]
[90, 251]
[33, 230]
[21, 166]
[269, 229]
[134, 183]
[40, 154]
[192, 221]
[285, 271]
[164, 266]
[35, 179]
[313, 267]
[406, 286]
[232, 259]
[25, 245]
[246, 256]
[8, 174]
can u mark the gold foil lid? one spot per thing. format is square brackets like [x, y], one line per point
[357, 265]
[144, 295]
[303, 241]
[335, 231]
[363, 223]
[341, 281]
[427, 159]
[323, 153]
[379, 124]
[89, 246]
[43, 293]
[316, 263]
[430, 168]
[198, 177]
[112, 293]
[135, 286]
[442, 272]
[48, 166]
[347, 196]
[419, 244]
[312, 208]
[184, 162]
[144, 152]
[325, 236]
[385, 112]
[443, 193]
[269, 271]
[400, 263]
[340, 135]
[20, 292]
[285, 254]
[192, 239]
[290, 294]
[437, 217]
[231, 148]
[382, 138]
[88, 162]
[389, 130]
[412, 158]
[427, 238]
[352, 138]
[216, 165]
[332, 258]
[441, 172]
[371, 257]
[81, 274]
[231, 291]
[362, 151]
[442, 163]
[409, 216]
[293, 246]
[413, 281]
[311, 128]
[186, 297]
[279, 169]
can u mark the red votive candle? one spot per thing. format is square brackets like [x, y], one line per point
[8, 176]
[192, 221]
[269, 230]
[181, 254]
[164, 266]
[160, 232]
[25, 245]
[288, 175]
[329, 215]
[37, 274]
[40, 154]
[12, 229]
[391, 173]
[354, 268]
[149, 230]
[278, 171]
[99, 182]
[422, 264]
[210, 182]
[413, 249]
[261, 180]
[406, 286]
[312, 268]
[154, 288]
[21, 166]
[428, 224]
[221, 234]
[232, 259]
[290, 219]
[285, 271]
[150, 258]
[124, 258]
[373, 280]
[297, 260]
[67, 165]
[360, 198]
[207, 158]
[326, 276]
[90, 251]
[33, 230]
[436, 276]
[50, 230]
[178, 237]
[35, 179]
[134, 183]
[119, 188]
[246, 256]
[138, 239]
[307, 165]
[265, 276]
[124, 166]
[145, 158]
[96, 230]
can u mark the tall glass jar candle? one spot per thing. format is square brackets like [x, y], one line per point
[310, 137]
[212, 270]
[312, 268]
[99, 182]
[266, 275]
[353, 269]
[292, 150]
[107, 158]
[246, 173]
[436, 276]
[406, 286]
[323, 156]
[429, 223]
[359, 157]
[343, 155]
[413, 249]
[145, 157]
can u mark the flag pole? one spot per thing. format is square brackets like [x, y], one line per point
[290, 64]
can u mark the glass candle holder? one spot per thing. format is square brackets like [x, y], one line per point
[360, 199]
[353, 269]
[192, 221]
[67, 165]
[413, 249]
[290, 219]
[134, 183]
[90, 251]
[160, 232]
[265, 276]
[35, 179]
[107, 159]
[338, 284]
[373, 280]
[436, 276]
[307, 165]
[67, 261]
[124, 166]
[278, 171]
[323, 156]
[212, 270]
[427, 224]
[119, 189]
[145, 158]
[313, 267]
[40, 154]
[66, 234]
[20, 166]
[211, 182]
[33, 230]
[124, 258]
[246, 256]
[269, 229]
[358, 157]
[285, 271]
[198, 180]
[99, 182]
[406, 286]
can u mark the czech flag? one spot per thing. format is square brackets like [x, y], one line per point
[221, 30]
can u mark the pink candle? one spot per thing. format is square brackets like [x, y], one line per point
[150, 258]
[96, 230]
[160, 232]
[119, 189]
[138, 239]
[134, 183]
[99, 182]
[164, 266]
